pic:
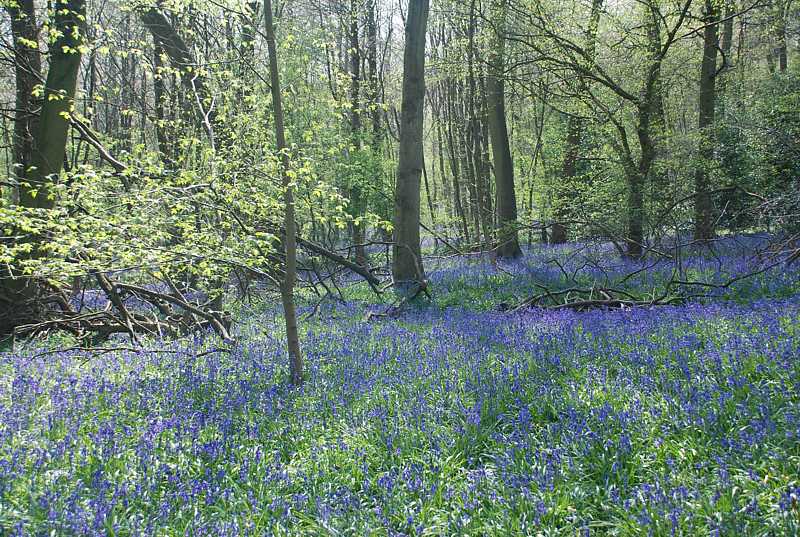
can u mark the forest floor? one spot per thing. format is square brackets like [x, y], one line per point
[446, 418]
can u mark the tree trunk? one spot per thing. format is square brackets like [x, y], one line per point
[407, 269]
[19, 296]
[647, 113]
[62, 77]
[506, 204]
[558, 232]
[193, 81]
[290, 238]
[27, 70]
[482, 214]
[703, 218]
[356, 190]
[778, 39]
[446, 188]
[575, 127]
[727, 33]
[160, 96]
[454, 164]
[374, 76]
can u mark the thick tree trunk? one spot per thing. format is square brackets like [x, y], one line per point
[27, 70]
[290, 238]
[634, 240]
[506, 204]
[703, 218]
[19, 295]
[647, 114]
[407, 269]
[62, 77]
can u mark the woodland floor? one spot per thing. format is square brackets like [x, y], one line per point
[449, 418]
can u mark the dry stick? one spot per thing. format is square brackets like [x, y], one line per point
[115, 299]
[211, 318]
[96, 351]
[333, 256]
[429, 230]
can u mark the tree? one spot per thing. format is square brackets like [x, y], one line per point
[703, 219]
[290, 233]
[356, 192]
[46, 151]
[182, 59]
[575, 127]
[407, 269]
[27, 71]
[506, 204]
[59, 95]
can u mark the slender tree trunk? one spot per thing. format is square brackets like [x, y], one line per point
[703, 218]
[374, 75]
[486, 165]
[428, 196]
[356, 190]
[726, 42]
[290, 238]
[454, 164]
[407, 269]
[249, 20]
[446, 194]
[506, 204]
[778, 38]
[160, 98]
[482, 214]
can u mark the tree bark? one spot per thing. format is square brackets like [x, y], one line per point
[19, 295]
[356, 190]
[483, 227]
[647, 112]
[374, 75]
[454, 163]
[290, 237]
[51, 140]
[703, 218]
[506, 204]
[407, 269]
[27, 72]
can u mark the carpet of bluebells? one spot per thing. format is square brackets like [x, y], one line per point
[451, 418]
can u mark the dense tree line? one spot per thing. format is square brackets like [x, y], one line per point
[184, 152]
